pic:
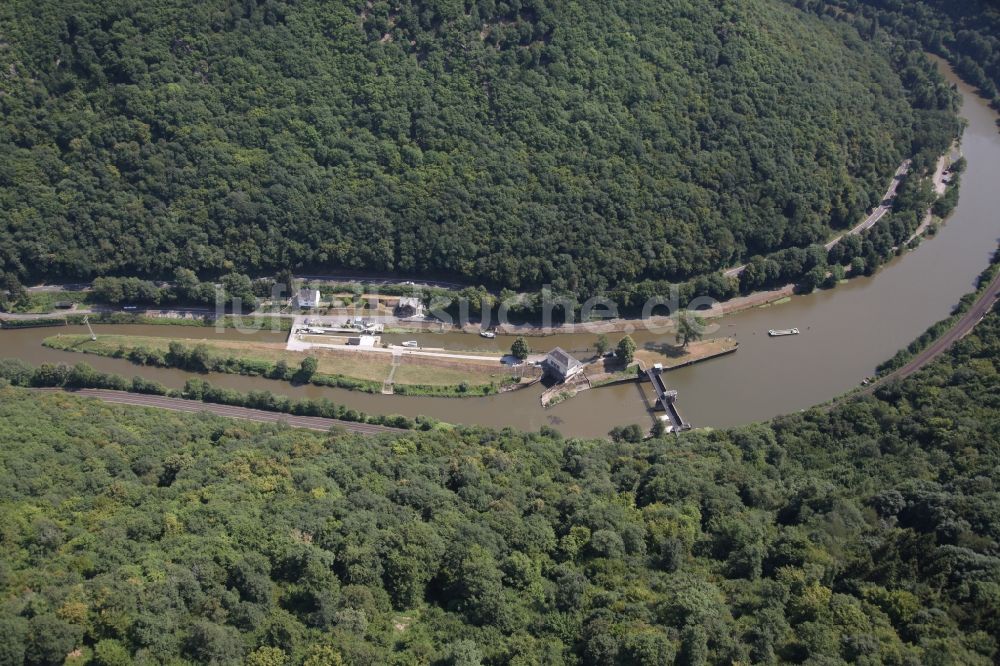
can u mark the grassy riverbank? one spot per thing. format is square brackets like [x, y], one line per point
[172, 318]
[359, 371]
[82, 376]
[168, 318]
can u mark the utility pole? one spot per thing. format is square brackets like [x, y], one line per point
[86, 320]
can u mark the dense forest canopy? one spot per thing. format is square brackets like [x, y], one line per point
[512, 144]
[867, 533]
[967, 32]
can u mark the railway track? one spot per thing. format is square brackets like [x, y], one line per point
[227, 411]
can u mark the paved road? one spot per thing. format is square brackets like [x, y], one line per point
[241, 413]
[366, 279]
[98, 309]
[884, 207]
[869, 222]
[78, 286]
[58, 314]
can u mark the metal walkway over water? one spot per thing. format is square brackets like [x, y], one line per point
[666, 399]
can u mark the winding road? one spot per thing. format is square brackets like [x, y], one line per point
[884, 207]
[227, 411]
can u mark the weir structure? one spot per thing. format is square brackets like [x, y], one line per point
[666, 399]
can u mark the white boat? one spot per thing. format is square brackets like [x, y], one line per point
[487, 334]
[778, 332]
[411, 343]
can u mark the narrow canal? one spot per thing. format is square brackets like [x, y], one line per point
[846, 332]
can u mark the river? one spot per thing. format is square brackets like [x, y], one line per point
[845, 333]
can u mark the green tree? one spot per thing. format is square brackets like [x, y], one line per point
[689, 327]
[194, 389]
[239, 286]
[82, 376]
[812, 279]
[602, 344]
[307, 368]
[694, 645]
[280, 370]
[186, 284]
[267, 656]
[520, 349]
[108, 290]
[51, 639]
[464, 653]
[199, 358]
[286, 282]
[649, 648]
[16, 293]
[13, 639]
[625, 351]
[323, 655]
[633, 433]
[211, 643]
[110, 652]
[835, 276]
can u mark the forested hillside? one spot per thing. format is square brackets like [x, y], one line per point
[869, 534]
[967, 32]
[511, 144]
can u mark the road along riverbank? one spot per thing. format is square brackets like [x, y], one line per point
[845, 333]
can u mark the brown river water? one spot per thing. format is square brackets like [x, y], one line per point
[845, 333]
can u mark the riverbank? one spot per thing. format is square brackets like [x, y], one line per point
[356, 370]
[196, 396]
[384, 315]
[258, 322]
[175, 404]
[846, 333]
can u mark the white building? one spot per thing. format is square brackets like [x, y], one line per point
[308, 298]
[364, 341]
[409, 307]
[561, 365]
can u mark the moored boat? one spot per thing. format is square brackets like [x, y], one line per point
[487, 334]
[411, 343]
